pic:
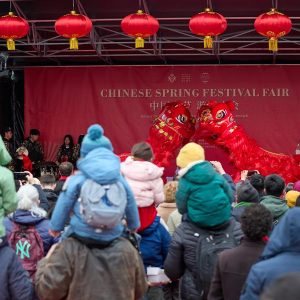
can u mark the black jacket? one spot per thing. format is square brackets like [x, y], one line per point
[52, 199]
[181, 259]
[15, 281]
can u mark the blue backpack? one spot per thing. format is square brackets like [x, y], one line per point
[102, 206]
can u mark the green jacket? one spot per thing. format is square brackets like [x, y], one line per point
[204, 195]
[8, 196]
[275, 205]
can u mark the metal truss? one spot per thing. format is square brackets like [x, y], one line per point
[107, 44]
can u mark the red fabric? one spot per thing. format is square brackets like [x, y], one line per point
[63, 178]
[27, 164]
[267, 102]
[147, 216]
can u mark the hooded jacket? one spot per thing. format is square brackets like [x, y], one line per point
[281, 256]
[77, 272]
[181, 261]
[15, 281]
[102, 166]
[204, 195]
[42, 225]
[144, 178]
[155, 244]
[275, 205]
[8, 196]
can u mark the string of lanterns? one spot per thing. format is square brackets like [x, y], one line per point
[140, 25]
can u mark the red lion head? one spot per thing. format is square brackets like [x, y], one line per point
[170, 130]
[216, 119]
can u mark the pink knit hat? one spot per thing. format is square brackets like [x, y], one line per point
[297, 186]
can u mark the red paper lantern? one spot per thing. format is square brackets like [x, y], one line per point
[273, 25]
[11, 28]
[73, 26]
[208, 24]
[139, 25]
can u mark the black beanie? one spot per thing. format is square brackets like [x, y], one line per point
[142, 151]
[247, 193]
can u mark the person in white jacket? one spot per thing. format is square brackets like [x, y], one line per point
[145, 180]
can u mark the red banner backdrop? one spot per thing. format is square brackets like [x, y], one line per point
[124, 99]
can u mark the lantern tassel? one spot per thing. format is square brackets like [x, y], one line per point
[139, 42]
[273, 44]
[73, 44]
[10, 44]
[208, 42]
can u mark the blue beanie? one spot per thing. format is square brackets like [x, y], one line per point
[94, 139]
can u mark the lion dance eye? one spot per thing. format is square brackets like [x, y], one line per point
[182, 118]
[221, 114]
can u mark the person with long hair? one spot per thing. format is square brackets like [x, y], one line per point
[66, 151]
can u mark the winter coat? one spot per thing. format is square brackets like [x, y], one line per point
[66, 154]
[155, 244]
[144, 178]
[275, 205]
[15, 281]
[44, 204]
[35, 150]
[181, 260]
[102, 166]
[281, 256]
[238, 210]
[232, 270]
[25, 217]
[76, 272]
[165, 209]
[8, 196]
[59, 184]
[174, 221]
[204, 195]
[52, 199]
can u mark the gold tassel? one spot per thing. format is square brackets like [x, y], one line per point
[139, 42]
[208, 42]
[73, 44]
[11, 44]
[273, 44]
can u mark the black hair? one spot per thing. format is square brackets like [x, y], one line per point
[256, 221]
[289, 187]
[286, 287]
[47, 179]
[80, 139]
[274, 185]
[297, 201]
[71, 140]
[257, 181]
[65, 168]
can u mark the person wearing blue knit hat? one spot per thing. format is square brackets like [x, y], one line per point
[99, 164]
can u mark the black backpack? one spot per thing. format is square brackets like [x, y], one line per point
[209, 245]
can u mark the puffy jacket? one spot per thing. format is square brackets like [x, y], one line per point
[76, 272]
[275, 205]
[41, 224]
[238, 210]
[102, 166]
[281, 256]
[15, 281]
[8, 196]
[155, 244]
[52, 199]
[145, 181]
[204, 195]
[181, 259]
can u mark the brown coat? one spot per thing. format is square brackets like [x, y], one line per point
[76, 272]
[232, 269]
[165, 209]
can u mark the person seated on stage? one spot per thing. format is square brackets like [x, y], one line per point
[35, 151]
[100, 174]
[77, 148]
[65, 171]
[23, 162]
[144, 178]
[66, 151]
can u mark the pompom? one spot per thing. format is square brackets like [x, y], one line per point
[95, 132]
